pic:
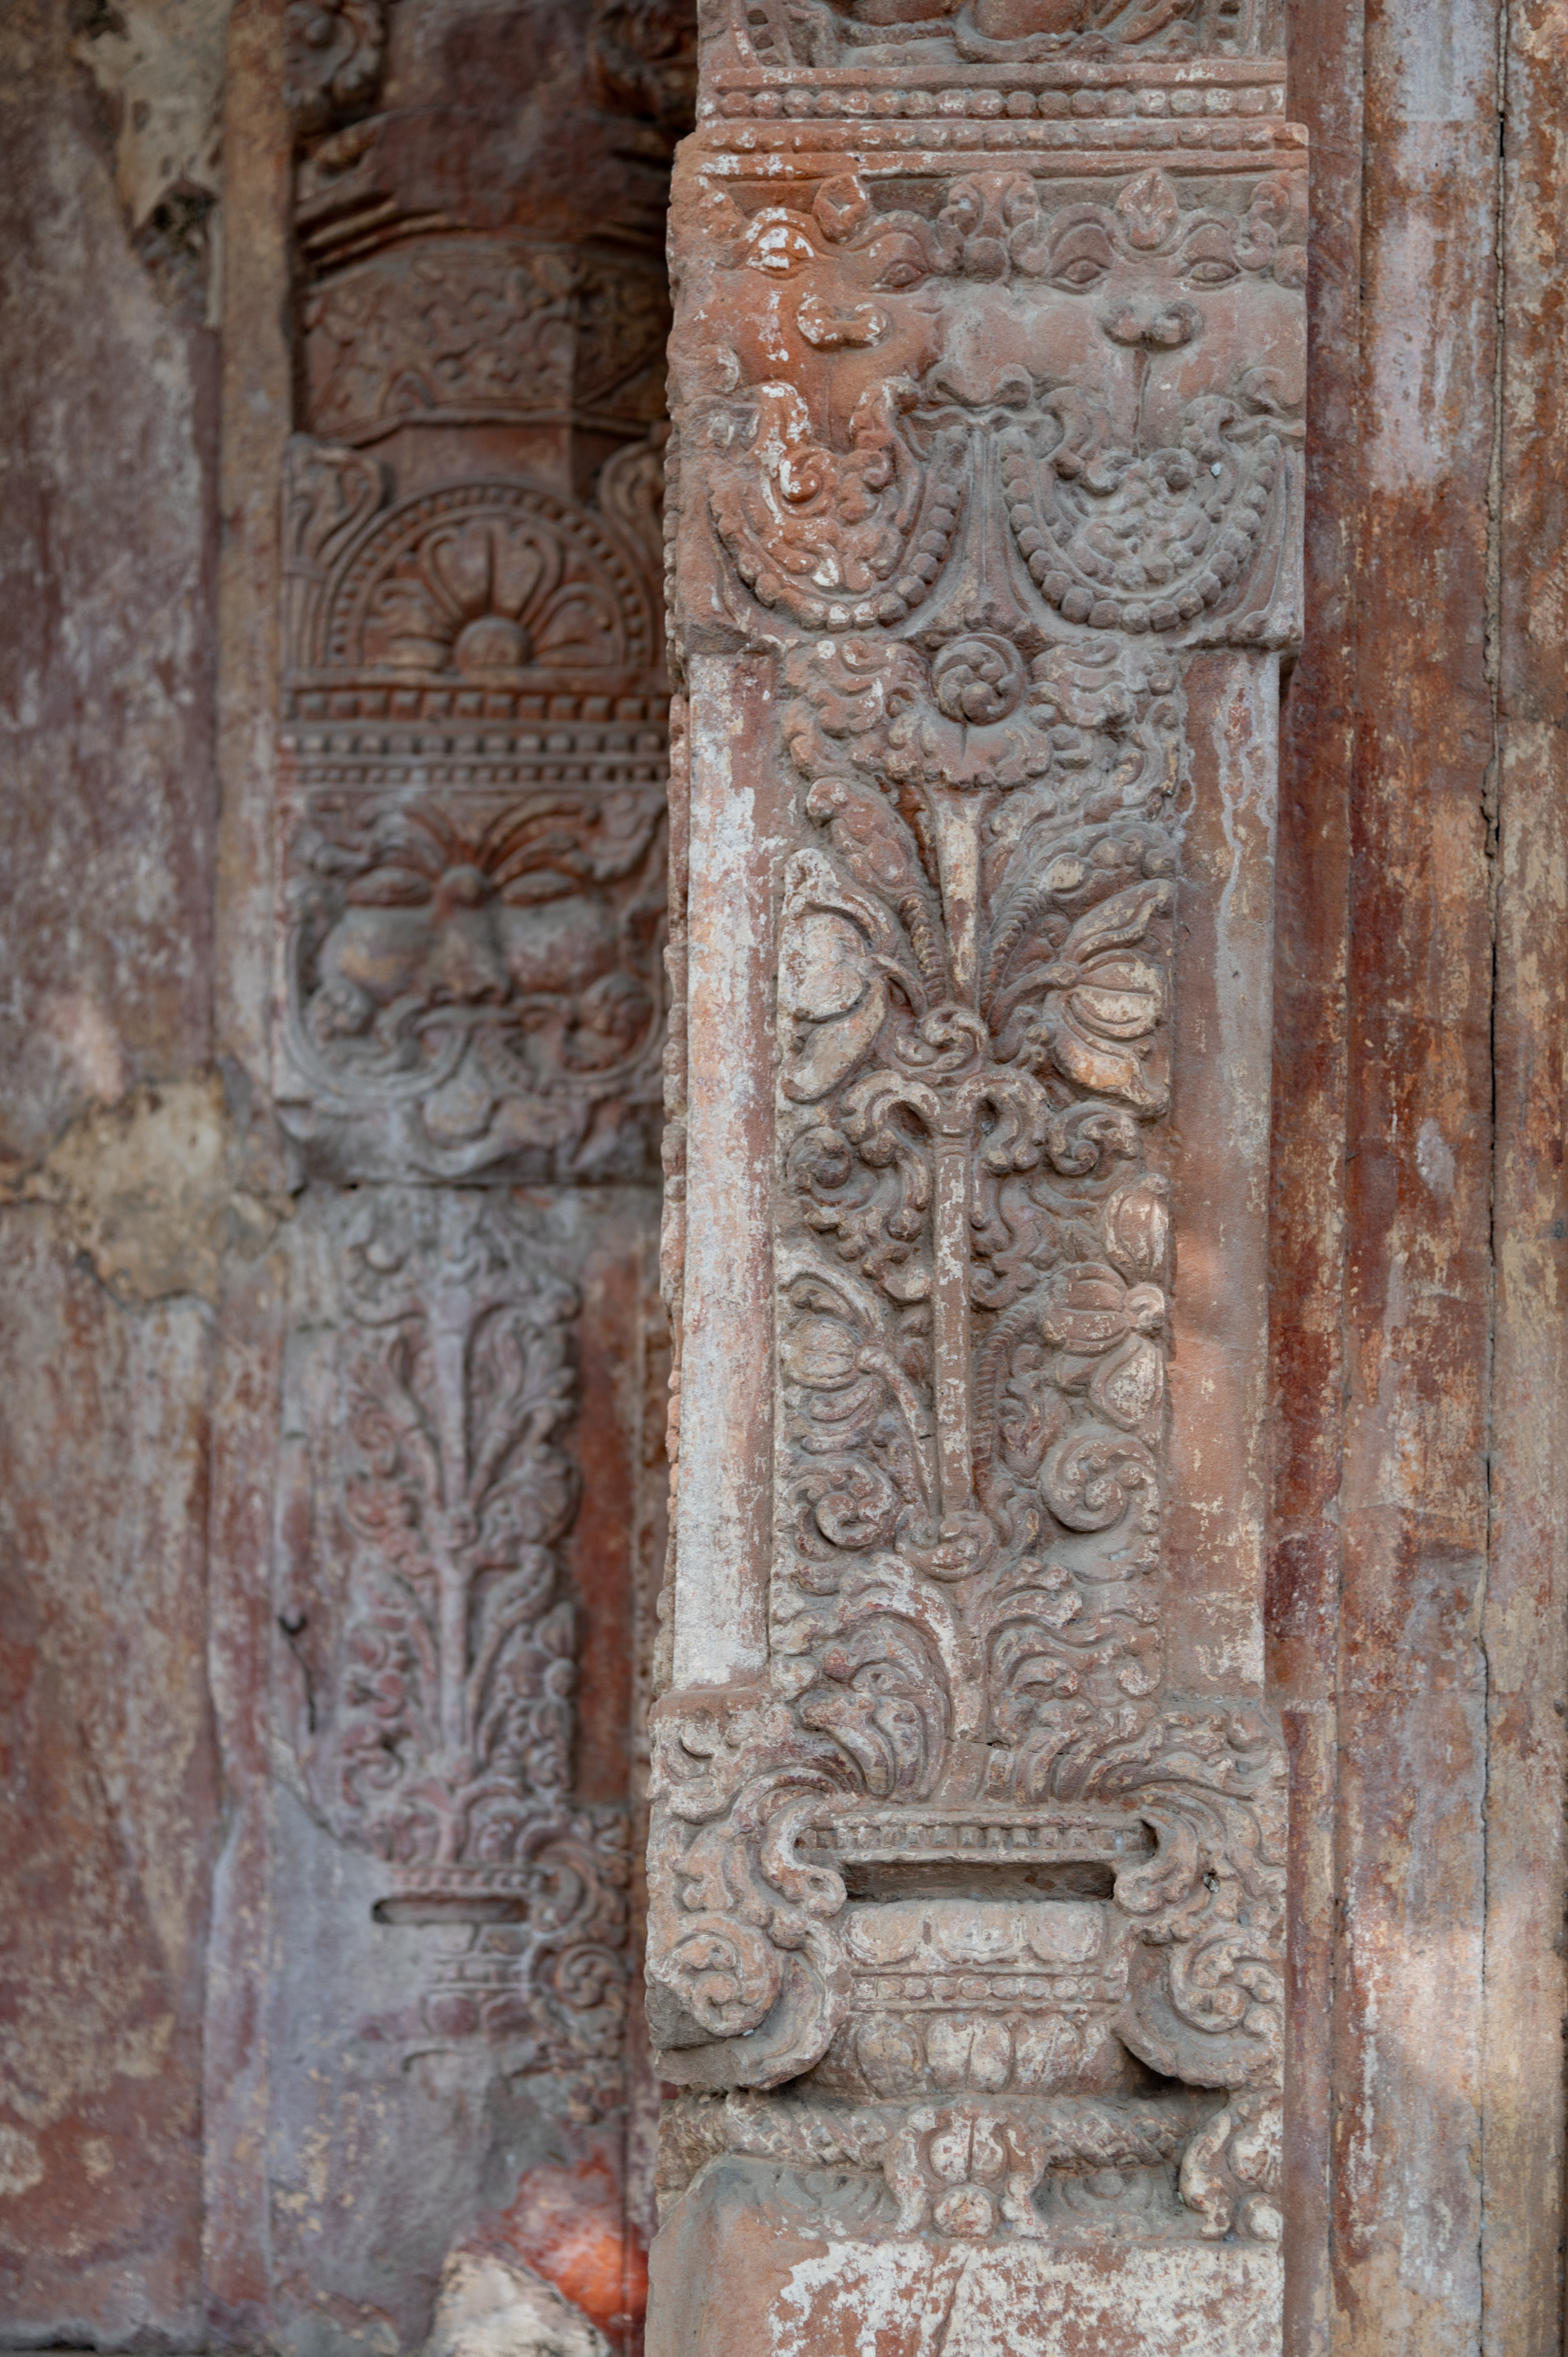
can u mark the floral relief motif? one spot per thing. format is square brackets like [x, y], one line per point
[972, 998]
[437, 1666]
[489, 594]
[956, 1897]
[473, 330]
[1145, 472]
[494, 578]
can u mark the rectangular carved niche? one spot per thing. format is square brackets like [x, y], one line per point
[967, 1873]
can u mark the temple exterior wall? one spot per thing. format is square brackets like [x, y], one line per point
[999, 834]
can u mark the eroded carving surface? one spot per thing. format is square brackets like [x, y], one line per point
[475, 877]
[1113, 436]
[435, 1639]
[923, 36]
[961, 1899]
[469, 860]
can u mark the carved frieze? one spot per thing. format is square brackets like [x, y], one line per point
[465, 330]
[961, 1894]
[923, 36]
[473, 823]
[1127, 414]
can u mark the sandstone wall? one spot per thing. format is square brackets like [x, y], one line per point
[199, 2149]
[113, 1813]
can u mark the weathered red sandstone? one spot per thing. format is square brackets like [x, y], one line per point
[333, 697]
[967, 1872]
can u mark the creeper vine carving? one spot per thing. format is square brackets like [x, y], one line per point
[967, 1870]
[469, 978]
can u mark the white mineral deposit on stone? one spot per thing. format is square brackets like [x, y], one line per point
[1175, 2302]
[491, 2307]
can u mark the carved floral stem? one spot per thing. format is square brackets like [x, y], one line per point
[449, 1334]
[958, 821]
[951, 1321]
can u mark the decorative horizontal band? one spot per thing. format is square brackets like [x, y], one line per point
[972, 1988]
[1107, 71]
[375, 700]
[921, 147]
[937, 1835]
[808, 96]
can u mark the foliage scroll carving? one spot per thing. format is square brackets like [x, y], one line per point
[432, 1634]
[468, 867]
[962, 1895]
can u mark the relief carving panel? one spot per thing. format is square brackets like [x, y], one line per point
[449, 330]
[470, 1002]
[474, 868]
[924, 35]
[428, 1488]
[962, 1905]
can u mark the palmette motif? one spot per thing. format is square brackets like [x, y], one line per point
[436, 1667]
[956, 1897]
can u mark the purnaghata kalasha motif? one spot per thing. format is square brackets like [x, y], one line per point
[959, 1898]
[1062, 1981]
[963, 1850]
[1130, 403]
[434, 1637]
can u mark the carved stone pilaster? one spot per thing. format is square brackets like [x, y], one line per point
[967, 1875]
[470, 1007]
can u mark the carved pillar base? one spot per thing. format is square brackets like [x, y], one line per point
[793, 2286]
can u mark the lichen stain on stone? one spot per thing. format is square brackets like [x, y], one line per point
[159, 1189]
[21, 2162]
[159, 64]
